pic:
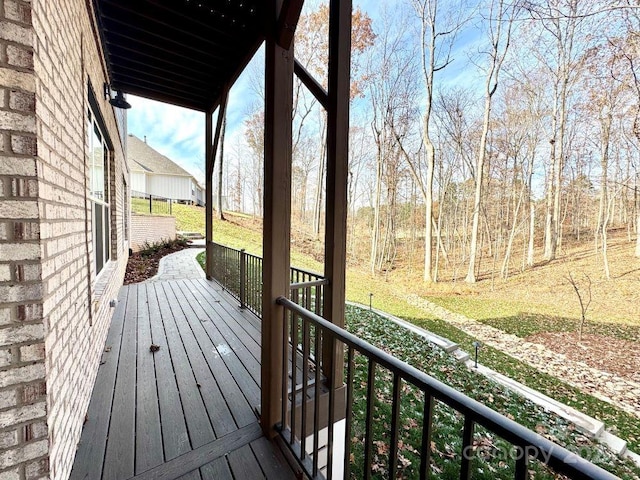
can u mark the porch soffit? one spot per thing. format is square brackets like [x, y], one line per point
[182, 52]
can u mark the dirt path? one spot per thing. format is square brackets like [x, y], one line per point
[614, 389]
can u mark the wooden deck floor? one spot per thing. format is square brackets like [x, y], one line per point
[186, 410]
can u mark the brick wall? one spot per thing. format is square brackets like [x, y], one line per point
[54, 312]
[151, 228]
[23, 408]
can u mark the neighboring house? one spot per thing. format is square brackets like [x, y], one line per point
[63, 229]
[155, 174]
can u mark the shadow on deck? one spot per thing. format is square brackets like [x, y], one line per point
[186, 410]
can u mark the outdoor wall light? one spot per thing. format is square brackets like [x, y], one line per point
[119, 101]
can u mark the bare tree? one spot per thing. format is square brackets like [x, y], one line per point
[584, 299]
[439, 27]
[500, 23]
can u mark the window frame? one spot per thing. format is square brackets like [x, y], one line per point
[100, 199]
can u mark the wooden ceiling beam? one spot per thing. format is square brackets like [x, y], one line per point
[312, 84]
[119, 52]
[287, 22]
[160, 95]
[136, 31]
[131, 63]
[163, 22]
[194, 84]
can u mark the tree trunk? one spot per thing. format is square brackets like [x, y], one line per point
[375, 233]
[428, 229]
[532, 226]
[220, 168]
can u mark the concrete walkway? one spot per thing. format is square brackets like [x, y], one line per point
[179, 266]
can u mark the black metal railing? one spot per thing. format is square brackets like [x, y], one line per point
[240, 273]
[153, 204]
[377, 412]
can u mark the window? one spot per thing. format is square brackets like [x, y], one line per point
[125, 210]
[98, 156]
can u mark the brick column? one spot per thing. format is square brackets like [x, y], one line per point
[23, 428]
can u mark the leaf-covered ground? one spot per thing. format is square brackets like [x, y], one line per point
[494, 458]
[143, 265]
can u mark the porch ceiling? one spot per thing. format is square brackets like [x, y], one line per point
[179, 51]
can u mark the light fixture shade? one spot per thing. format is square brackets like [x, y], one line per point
[120, 101]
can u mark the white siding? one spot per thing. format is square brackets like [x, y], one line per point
[170, 186]
[139, 182]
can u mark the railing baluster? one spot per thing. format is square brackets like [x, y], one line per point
[368, 445]
[316, 399]
[294, 373]
[332, 411]
[522, 464]
[425, 448]
[285, 366]
[348, 414]
[305, 382]
[467, 445]
[395, 415]
[243, 278]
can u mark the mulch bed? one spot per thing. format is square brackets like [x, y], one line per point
[611, 355]
[144, 265]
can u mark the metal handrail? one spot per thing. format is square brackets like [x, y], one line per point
[532, 444]
[240, 274]
[315, 283]
[165, 203]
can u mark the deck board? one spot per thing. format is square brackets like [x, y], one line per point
[217, 409]
[244, 464]
[186, 410]
[175, 438]
[195, 412]
[240, 407]
[96, 429]
[218, 470]
[148, 432]
[119, 458]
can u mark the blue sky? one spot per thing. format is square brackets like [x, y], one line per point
[179, 133]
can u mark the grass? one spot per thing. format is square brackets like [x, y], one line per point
[491, 459]
[501, 313]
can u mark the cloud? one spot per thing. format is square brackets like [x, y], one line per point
[174, 131]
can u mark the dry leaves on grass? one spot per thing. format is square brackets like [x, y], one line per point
[611, 355]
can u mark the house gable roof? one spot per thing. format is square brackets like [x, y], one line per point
[143, 158]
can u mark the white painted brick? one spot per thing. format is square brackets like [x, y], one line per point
[8, 439]
[19, 251]
[18, 166]
[36, 470]
[5, 316]
[8, 398]
[20, 57]
[5, 358]
[20, 292]
[5, 273]
[16, 33]
[17, 121]
[17, 11]
[23, 453]
[25, 374]
[12, 79]
[13, 474]
[23, 414]
[32, 353]
[18, 209]
[21, 334]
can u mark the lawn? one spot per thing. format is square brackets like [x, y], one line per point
[389, 296]
[491, 460]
